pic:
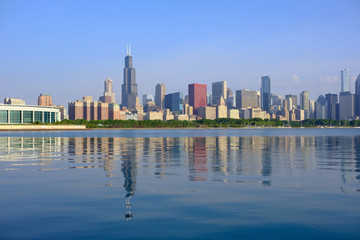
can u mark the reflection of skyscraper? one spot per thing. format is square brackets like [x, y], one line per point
[198, 161]
[128, 168]
[129, 87]
[265, 93]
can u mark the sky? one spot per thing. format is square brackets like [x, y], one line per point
[68, 48]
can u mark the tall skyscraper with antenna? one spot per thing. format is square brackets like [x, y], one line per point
[129, 87]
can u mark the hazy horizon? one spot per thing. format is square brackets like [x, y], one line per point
[68, 48]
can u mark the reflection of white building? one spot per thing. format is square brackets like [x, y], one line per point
[19, 114]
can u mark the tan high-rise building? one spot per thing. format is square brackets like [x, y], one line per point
[207, 112]
[109, 95]
[45, 100]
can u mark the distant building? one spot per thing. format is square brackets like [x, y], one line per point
[219, 89]
[221, 109]
[331, 99]
[345, 80]
[160, 91]
[233, 113]
[14, 101]
[154, 115]
[109, 95]
[304, 103]
[45, 100]
[207, 112]
[346, 106]
[150, 106]
[246, 99]
[88, 109]
[321, 108]
[174, 102]
[22, 114]
[265, 93]
[129, 87]
[357, 96]
[294, 102]
[311, 109]
[299, 114]
[147, 98]
[230, 103]
[197, 96]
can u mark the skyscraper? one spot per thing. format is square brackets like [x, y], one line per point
[160, 91]
[129, 87]
[174, 102]
[357, 96]
[346, 105]
[109, 95]
[345, 80]
[265, 93]
[197, 96]
[331, 108]
[304, 103]
[294, 101]
[321, 107]
[219, 89]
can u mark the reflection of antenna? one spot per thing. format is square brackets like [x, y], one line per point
[128, 214]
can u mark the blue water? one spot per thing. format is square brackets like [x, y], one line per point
[180, 184]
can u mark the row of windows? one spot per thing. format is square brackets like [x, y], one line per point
[27, 116]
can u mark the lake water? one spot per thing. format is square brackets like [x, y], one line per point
[180, 184]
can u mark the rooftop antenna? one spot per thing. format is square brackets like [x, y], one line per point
[129, 50]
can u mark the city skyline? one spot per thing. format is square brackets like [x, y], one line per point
[244, 42]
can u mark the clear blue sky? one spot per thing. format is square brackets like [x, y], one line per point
[68, 48]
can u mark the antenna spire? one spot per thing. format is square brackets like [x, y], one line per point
[129, 50]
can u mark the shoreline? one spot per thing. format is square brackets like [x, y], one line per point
[5, 128]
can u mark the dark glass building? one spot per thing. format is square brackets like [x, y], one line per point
[174, 102]
[129, 87]
[265, 93]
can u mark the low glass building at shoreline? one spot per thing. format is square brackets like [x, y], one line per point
[26, 114]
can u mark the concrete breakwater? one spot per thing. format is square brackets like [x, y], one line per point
[41, 127]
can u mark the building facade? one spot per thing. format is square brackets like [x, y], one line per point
[160, 91]
[197, 96]
[45, 100]
[246, 98]
[357, 96]
[219, 89]
[305, 104]
[332, 100]
[22, 114]
[321, 107]
[345, 80]
[346, 106]
[129, 87]
[174, 102]
[265, 93]
[109, 95]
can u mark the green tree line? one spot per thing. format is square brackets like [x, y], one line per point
[206, 123]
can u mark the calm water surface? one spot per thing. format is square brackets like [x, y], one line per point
[178, 184]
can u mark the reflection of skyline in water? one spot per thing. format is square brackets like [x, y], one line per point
[221, 159]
